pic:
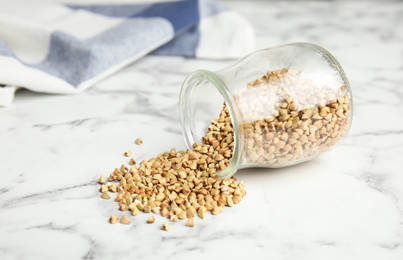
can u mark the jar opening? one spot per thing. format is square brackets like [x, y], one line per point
[202, 97]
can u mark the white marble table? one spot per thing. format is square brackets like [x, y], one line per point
[347, 204]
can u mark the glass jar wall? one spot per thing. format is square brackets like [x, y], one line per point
[287, 104]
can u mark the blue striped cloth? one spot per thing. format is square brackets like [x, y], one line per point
[57, 48]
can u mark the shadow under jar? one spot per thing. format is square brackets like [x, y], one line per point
[288, 104]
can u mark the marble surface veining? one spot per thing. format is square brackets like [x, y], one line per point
[346, 204]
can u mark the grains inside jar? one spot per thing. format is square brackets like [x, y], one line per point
[288, 118]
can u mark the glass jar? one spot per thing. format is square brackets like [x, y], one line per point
[288, 104]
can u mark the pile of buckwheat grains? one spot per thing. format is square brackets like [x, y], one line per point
[179, 185]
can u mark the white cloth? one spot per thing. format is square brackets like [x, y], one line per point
[59, 48]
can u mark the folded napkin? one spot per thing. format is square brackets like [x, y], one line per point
[59, 48]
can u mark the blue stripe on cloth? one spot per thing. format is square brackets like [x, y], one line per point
[210, 8]
[184, 44]
[76, 60]
[181, 14]
[121, 11]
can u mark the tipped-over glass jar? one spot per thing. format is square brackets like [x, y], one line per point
[288, 104]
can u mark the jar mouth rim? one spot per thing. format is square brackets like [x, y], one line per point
[234, 114]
